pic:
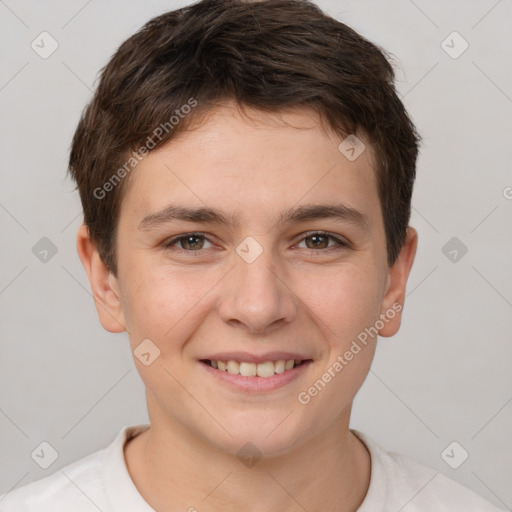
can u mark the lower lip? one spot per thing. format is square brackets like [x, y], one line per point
[257, 384]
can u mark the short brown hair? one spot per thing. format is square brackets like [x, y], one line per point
[269, 54]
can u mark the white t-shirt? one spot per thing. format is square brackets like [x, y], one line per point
[101, 481]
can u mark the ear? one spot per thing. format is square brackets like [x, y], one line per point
[394, 297]
[104, 286]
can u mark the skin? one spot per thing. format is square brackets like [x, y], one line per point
[293, 297]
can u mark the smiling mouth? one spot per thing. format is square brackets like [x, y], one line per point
[264, 370]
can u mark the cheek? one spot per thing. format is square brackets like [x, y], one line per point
[165, 305]
[346, 300]
[349, 304]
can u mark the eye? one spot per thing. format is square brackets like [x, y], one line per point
[314, 240]
[321, 239]
[189, 242]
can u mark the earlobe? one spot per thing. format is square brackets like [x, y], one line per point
[104, 286]
[394, 298]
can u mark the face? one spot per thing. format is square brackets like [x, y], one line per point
[253, 244]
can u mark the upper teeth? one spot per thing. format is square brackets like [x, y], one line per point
[266, 369]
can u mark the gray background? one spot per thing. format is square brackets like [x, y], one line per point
[445, 377]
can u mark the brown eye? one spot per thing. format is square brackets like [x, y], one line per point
[192, 242]
[189, 242]
[317, 241]
[320, 241]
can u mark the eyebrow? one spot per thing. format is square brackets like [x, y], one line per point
[339, 212]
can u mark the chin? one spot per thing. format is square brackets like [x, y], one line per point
[260, 432]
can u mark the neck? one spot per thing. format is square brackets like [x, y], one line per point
[175, 470]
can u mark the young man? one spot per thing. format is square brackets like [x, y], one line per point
[246, 171]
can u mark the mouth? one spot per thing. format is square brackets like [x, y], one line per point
[264, 370]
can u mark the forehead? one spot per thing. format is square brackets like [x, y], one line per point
[253, 163]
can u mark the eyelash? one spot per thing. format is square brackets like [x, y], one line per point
[340, 243]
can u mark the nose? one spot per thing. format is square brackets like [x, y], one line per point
[256, 296]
